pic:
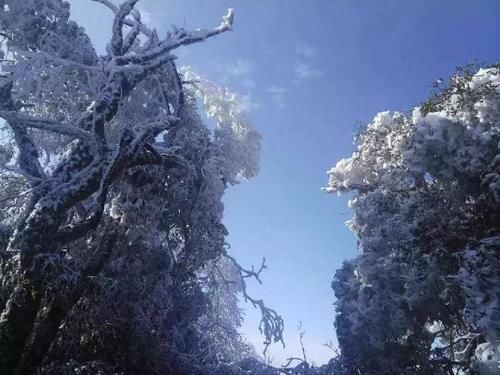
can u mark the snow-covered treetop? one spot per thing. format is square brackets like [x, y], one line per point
[426, 195]
[239, 144]
[456, 137]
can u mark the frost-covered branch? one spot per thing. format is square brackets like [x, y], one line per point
[131, 37]
[134, 23]
[177, 39]
[252, 273]
[271, 324]
[19, 119]
[44, 57]
[117, 39]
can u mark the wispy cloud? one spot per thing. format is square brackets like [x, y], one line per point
[305, 66]
[248, 103]
[304, 71]
[239, 73]
[306, 51]
[278, 95]
[239, 68]
[248, 83]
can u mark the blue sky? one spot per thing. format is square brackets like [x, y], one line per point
[311, 71]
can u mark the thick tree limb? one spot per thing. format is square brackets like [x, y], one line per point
[44, 124]
[117, 38]
[127, 21]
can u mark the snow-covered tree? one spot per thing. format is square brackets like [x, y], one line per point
[424, 293]
[113, 256]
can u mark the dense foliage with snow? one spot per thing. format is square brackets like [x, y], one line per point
[113, 256]
[423, 297]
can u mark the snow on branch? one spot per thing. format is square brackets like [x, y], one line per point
[177, 39]
[249, 273]
[117, 38]
[45, 124]
[44, 57]
[134, 23]
[271, 324]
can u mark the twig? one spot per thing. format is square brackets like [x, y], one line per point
[302, 332]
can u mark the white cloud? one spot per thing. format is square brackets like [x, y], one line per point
[247, 103]
[278, 95]
[239, 68]
[305, 71]
[305, 67]
[239, 71]
[248, 83]
[306, 51]
[276, 90]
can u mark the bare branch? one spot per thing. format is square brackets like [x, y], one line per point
[302, 332]
[290, 360]
[271, 324]
[249, 273]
